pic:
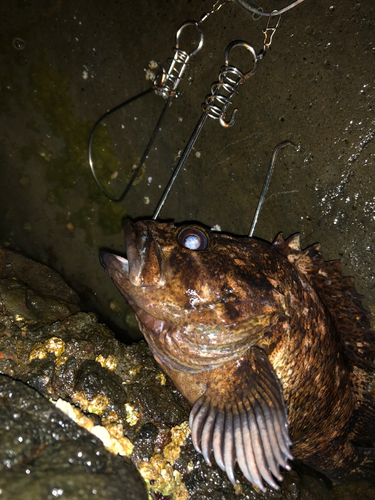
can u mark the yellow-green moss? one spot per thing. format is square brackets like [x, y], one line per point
[68, 171]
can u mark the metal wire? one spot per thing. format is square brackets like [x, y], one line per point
[267, 181]
[249, 6]
[164, 85]
[89, 146]
[215, 106]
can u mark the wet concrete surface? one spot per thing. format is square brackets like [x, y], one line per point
[65, 63]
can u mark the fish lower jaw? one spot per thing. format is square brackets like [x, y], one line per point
[123, 262]
[150, 323]
[132, 272]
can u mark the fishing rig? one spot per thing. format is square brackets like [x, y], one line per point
[216, 104]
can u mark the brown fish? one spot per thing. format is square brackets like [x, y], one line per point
[269, 345]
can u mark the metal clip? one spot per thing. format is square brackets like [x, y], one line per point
[216, 6]
[170, 80]
[270, 31]
[165, 86]
[215, 106]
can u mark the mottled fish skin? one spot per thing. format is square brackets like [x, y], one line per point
[242, 329]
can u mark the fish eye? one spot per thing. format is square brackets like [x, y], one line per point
[193, 238]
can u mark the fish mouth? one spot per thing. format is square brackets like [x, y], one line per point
[119, 269]
[135, 275]
[142, 265]
[126, 278]
[107, 260]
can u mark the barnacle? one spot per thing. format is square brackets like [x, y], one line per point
[162, 378]
[112, 436]
[55, 345]
[110, 362]
[38, 352]
[159, 474]
[97, 405]
[132, 415]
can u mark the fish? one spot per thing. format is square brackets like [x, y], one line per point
[268, 343]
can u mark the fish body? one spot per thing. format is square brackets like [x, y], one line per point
[268, 343]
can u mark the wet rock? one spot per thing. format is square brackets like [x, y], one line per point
[354, 490]
[47, 296]
[312, 485]
[44, 454]
[117, 393]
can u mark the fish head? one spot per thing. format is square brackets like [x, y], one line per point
[194, 287]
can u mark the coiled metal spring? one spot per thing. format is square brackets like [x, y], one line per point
[169, 81]
[222, 92]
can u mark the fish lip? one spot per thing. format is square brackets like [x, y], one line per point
[141, 243]
[134, 268]
[104, 258]
[129, 267]
[112, 261]
[132, 252]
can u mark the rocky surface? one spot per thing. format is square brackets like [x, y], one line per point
[44, 454]
[122, 409]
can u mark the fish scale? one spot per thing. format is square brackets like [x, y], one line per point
[280, 370]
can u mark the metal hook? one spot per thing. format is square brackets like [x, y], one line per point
[268, 180]
[164, 85]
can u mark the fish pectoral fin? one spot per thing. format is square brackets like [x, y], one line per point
[242, 417]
